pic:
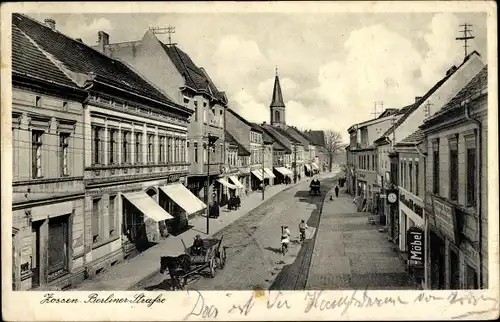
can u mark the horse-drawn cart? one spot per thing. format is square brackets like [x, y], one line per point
[213, 256]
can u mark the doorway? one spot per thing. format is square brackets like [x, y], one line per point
[35, 258]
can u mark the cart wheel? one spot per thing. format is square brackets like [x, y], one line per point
[223, 257]
[212, 267]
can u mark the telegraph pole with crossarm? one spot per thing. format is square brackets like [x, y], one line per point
[467, 35]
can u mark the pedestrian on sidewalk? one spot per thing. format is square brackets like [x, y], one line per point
[336, 191]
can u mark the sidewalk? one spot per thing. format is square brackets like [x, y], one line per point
[350, 253]
[128, 273]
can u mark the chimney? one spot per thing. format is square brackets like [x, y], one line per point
[451, 70]
[417, 98]
[51, 23]
[102, 40]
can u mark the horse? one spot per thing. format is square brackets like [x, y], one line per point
[177, 266]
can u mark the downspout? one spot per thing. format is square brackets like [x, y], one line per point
[479, 130]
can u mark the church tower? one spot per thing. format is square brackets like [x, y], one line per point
[277, 105]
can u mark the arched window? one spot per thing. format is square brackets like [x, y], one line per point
[276, 116]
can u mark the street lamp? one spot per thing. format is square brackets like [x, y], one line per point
[295, 164]
[209, 145]
[263, 178]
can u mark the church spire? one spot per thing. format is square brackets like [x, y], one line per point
[277, 100]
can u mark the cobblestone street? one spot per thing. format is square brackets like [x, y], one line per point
[253, 257]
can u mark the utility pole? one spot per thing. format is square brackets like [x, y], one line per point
[295, 163]
[427, 109]
[376, 112]
[263, 178]
[393, 131]
[210, 143]
[467, 35]
[164, 30]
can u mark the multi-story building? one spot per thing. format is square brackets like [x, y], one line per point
[251, 137]
[131, 161]
[456, 199]
[424, 107]
[172, 71]
[268, 156]
[282, 156]
[362, 175]
[239, 174]
[47, 167]
[321, 155]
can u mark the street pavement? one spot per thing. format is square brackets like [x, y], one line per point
[351, 253]
[128, 274]
[254, 260]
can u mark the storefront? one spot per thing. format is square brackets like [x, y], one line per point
[240, 188]
[48, 245]
[283, 175]
[411, 214]
[260, 176]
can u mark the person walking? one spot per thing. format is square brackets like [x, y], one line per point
[336, 191]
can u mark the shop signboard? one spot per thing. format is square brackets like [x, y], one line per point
[416, 244]
[444, 217]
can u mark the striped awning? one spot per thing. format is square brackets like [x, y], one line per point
[225, 183]
[269, 173]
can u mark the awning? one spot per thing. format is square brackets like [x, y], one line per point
[258, 174]
[227, 184]
[147, 206]
[269, 173]
[308, 167]
[183, 197]
[237, 182]
[284, 171]
[315, 166]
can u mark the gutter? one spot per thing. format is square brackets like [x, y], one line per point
[479, 131]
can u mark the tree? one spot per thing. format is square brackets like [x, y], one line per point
[333, 143]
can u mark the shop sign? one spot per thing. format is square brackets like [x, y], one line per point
[412, 205]
[416, 245]
[173, 177]
[444, 216]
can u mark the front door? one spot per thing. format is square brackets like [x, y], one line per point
[35, 259]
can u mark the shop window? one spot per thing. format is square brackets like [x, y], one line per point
[471, 278]
[111, 215]
[96, 203]
[63, 153]
[454, 271]
[471, 177]
[57, 247]
[36, 150]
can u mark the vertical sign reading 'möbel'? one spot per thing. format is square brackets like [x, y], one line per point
[416, 246]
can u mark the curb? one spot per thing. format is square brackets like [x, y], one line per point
[226, 227]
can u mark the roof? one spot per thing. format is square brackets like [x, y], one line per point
[195, 77]
[241, 149]
[286, 134]
[27, 59]
[317, 137]
[414, 138]
[412, 108]
[278, 137]
[295, 133]
[277, 99]
[388, 112]
[265, 136]
[253, 126]
[477, 84]
[72, 56]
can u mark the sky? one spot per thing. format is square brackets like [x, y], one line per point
[332, 66]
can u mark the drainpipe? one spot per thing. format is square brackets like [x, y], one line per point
[85, 217]
[479, 131]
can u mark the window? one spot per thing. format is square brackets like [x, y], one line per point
[125, 146]
[112, 146]
[221, 153]
[176, 150]
[195, 152]
[186, 101]
[204, 112]
[57, 246]
[111, 215]
[471, 278]
[435, 169]
[453, 170]
[187, 152]
[65, 106]
[471, 177]
[138, 145]
[416, 179]
[276, 116]
[221, 115]
[195, 111]
[97, 143]
[161, 149]
[205, 153]
[454, 271]
[151, 151]
[410, 176]
[36, 149]
[38, 101]
[95, 219]
[63, 150]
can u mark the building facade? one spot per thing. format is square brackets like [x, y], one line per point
[175, 74]
[456, 189]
